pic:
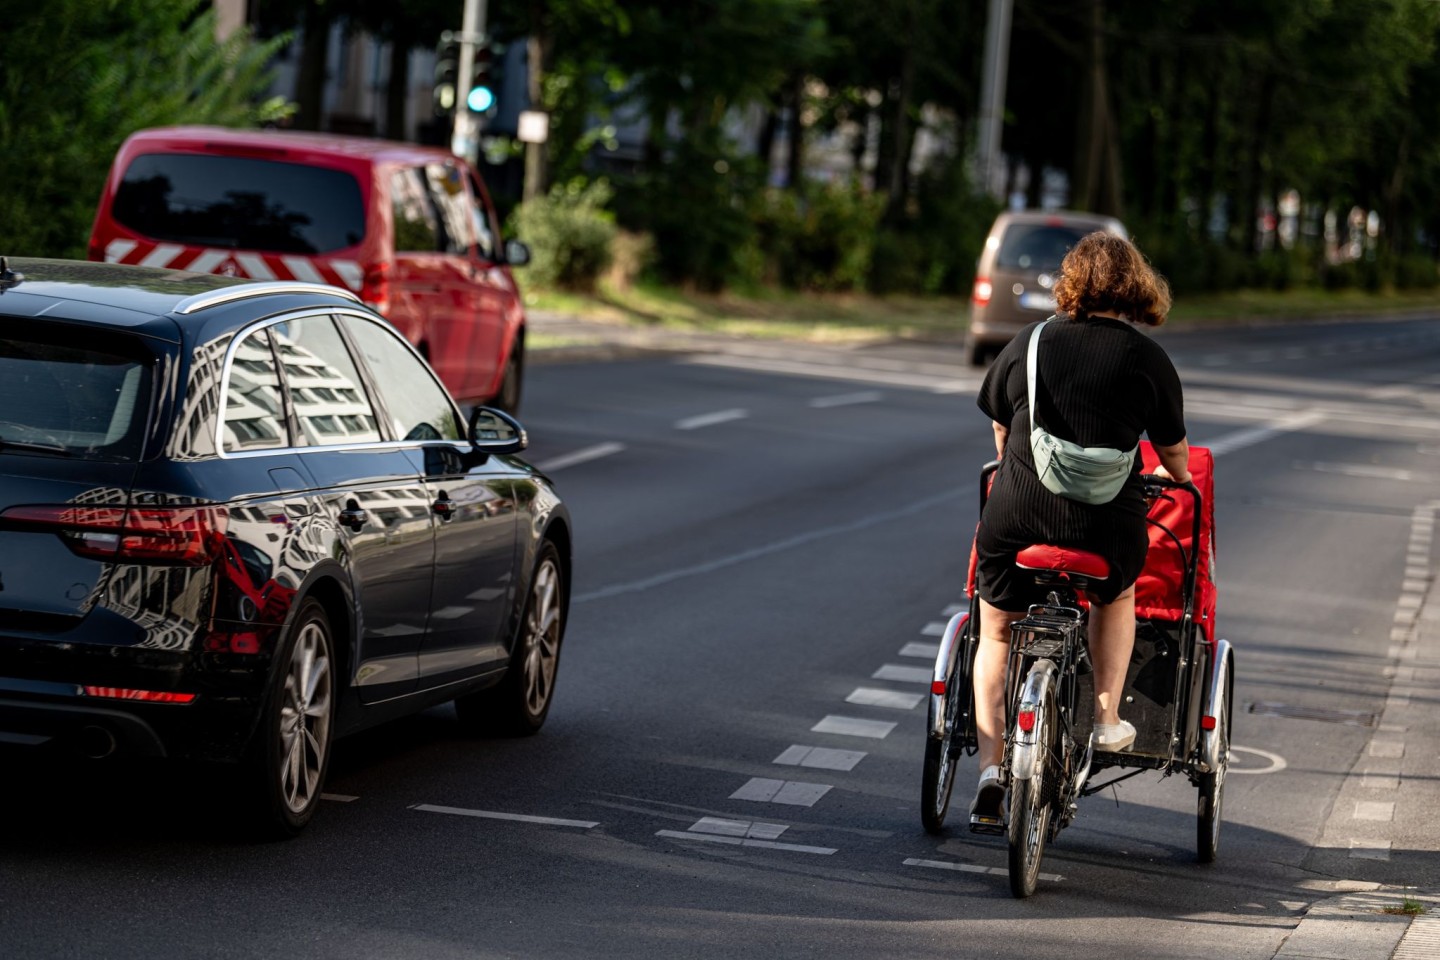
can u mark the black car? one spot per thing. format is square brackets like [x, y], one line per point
[238, 520]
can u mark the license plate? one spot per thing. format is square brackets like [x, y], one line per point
[1037, 301]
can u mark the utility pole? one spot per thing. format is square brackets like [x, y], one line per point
[465, 141]
[992, 98]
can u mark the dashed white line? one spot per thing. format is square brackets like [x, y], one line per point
[1388, 749]
[583, 455]
[972, 868]
[1374, 810]
[955, 608]
[1380, 781]
[711, 419]
[819, 758]
[854, 727]
[496, 815]
[926, 651]
[746, 842]
[1370, 849]
[847, 399]
[738, 828]
[891, 699]
[793, 793]
[903, 674]
[1364, 470]
[1231, 442]
[935, 628]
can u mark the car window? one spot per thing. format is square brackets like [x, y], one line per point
[419, 407]
[447, 188]
[484, 237]
[254, 408]
[242, 202]
[417, 229]
[325, 387]
[74, 401]
[1036, 246]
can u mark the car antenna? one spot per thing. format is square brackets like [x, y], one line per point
[8, 277]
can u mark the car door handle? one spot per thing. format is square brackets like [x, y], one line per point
[353, 516]
[444, 507]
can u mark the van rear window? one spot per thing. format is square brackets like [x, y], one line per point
[240, 202]
[1029, 246]
[59, 399]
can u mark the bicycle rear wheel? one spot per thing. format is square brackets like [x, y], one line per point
[942, 754]
[1031, 800]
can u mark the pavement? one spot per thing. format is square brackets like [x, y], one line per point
[1395, 782]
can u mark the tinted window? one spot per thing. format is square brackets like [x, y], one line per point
[254, 409]
[484, 236]
[329, 399]
[447, 187]
[88, 401]
[1035, 246]
[416, 227]
[242, 202]
[418, 405]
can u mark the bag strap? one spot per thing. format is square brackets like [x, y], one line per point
[1031, 369]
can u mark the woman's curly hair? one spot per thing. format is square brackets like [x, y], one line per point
[1108, 274]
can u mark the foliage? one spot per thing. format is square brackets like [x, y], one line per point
[79, 76]
[820, 241]
[570, 234]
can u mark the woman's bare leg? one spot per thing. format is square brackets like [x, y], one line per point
[990, 658]
[1112, 639]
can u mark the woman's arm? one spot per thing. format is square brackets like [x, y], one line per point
[1174, 461]
[1002, 432]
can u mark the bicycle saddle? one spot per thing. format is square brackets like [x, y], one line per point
[1064, 560]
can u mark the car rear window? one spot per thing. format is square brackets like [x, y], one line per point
[60, 399]
[1036, 246]
[243, 202]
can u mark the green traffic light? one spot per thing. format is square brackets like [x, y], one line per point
[480, 99]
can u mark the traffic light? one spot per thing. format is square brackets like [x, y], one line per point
[447, 74]
[484, 95]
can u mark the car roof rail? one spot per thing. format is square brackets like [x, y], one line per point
[214, 298]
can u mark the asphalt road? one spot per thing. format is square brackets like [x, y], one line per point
[759, 534]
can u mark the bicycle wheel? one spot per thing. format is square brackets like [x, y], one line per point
[1212, 793]
[1031, 800]
[942, 754]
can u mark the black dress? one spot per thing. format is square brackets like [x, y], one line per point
[1102, 383]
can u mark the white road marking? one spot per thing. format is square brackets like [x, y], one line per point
[955, 608]
[738, 828]
[1374, 810]
[711, 419]
[891, 699]
[1370, 849]
[339, 797]
[1277, 762]
[854, 727]
[746, 842]
[927, 651]
[583, 455]
[847, 399]
[903, 674]
[938, 384]
[1231, 442]
[1365, 470]
[820, 758]
[793, 793]
[1388, 749]
[495, 815]
[1380, 781]
[935, 628]
[973, 868]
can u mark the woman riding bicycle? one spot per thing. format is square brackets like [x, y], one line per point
[1099, 383]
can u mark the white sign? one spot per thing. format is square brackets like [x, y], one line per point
[534, 127]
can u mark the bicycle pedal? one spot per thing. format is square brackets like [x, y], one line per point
[990, 826]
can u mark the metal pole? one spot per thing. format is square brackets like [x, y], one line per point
[992, 97]
[464, 142]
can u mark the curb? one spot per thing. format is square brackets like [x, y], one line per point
[1353, 927]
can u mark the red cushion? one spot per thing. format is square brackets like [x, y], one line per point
[1065, 560]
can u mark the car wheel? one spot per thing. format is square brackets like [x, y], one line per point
[508, 399]
[291, 752]
[519, 703]
[977, 352]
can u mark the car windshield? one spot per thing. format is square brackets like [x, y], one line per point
[62, 400]
[1036, 246]
[241, 202]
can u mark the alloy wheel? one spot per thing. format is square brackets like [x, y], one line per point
[542, 637]
[305, 718]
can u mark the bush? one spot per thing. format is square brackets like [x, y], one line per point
[821, 241]
[931, 246]
[570, 234]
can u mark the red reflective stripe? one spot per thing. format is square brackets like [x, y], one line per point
[148, 696]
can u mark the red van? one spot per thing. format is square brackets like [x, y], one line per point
[409, 228]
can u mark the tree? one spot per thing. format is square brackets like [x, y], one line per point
[125, 66]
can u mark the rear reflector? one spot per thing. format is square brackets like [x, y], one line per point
[983, 290]
[1026, 720]
[1207, 723]
[938, 687]
[190, 536]
[149, 696]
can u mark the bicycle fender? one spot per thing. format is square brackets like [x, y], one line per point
[1026, 751]
[945, 662]
[1215, 705]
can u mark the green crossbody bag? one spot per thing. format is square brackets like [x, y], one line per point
[1091, 475]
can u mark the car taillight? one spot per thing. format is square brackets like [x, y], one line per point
[149, 696]
[375, 288]
[189, 536]
[983, 289]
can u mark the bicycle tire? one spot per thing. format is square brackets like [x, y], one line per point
[1031, 803]
[1211, 803]
[942, 754]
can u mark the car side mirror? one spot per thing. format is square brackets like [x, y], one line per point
[517, 254]
[494, 431]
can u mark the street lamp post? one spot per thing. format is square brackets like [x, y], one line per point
[465, 140]
[992, 97]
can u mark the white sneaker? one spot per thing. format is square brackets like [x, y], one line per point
[1114, 737]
